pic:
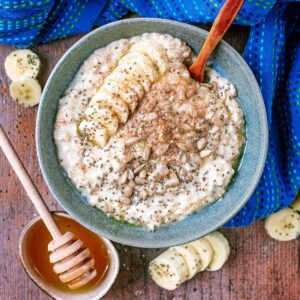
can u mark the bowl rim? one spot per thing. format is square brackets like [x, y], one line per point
[111, 274]
[260, 163]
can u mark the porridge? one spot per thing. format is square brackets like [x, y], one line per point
[141, 139]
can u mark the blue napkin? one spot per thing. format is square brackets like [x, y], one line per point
[272, 51]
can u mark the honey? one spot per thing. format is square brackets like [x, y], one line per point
[38, 255]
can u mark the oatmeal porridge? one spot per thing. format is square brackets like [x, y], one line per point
[143, 141]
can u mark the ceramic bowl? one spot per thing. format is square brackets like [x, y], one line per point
[227, 62]
[95, 293]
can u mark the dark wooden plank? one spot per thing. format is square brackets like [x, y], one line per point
[258, 268]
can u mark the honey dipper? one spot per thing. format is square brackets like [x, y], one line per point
[71, 260]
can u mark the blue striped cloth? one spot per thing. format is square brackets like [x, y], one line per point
[272, 51]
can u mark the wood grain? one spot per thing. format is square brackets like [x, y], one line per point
[258, 268]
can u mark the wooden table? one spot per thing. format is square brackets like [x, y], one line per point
[258, 267]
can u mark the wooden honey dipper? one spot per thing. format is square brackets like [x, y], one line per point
[71, 260]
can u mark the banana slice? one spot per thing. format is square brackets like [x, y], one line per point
[128, 82]
[221, 250]
[168, 270]
[136, 58]
[191, 258]
[22, 63]
[104, 117]
[86, 128]
[111, 102]
[93, 132]
[205, 252]
[154, 51]
[283, 225]
[127, 95]
[101, 136]
[296, 204]
[137, 73]
[26, 91]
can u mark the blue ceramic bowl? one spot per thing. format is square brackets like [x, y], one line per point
[229, 63]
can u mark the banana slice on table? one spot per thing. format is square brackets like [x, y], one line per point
[93, 132]
[26, 91]
[137, 73]
[205, 252]
[283, 225]
[191, 258]
[181, 263]
[154, 51]
[22, 63]
[296, 204]
[127, 95]
[111, 102]
[221, 250]
[136, 58]
[168, 270]
[104, 117]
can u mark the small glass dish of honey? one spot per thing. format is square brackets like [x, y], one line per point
[33, 250]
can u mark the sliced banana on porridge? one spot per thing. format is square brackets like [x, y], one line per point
[137, 73]
[134, 86]
[26, 91]
[112, 102]
[168, 270]
[283, 225]
[86, 127]
[117, 94]
[93, 132]
[129, 96]
[136, 58]
[22, 63]
[128, 81]
[205, 252]
[101, 136]
[154, 51]
[104, 117]
[221, 250]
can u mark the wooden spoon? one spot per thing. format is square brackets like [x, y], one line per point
[221, 24]
[71, 260]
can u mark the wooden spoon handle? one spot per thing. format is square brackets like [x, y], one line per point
[28, 185]
[221, 24]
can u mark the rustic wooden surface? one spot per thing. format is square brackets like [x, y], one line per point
[258, 268]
